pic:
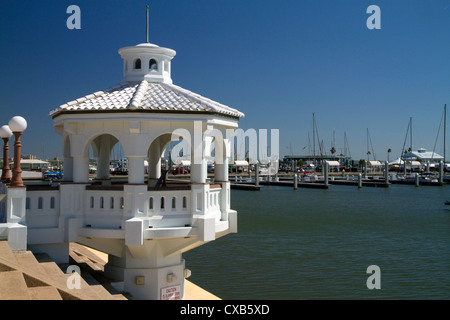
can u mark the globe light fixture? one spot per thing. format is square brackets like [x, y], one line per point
[17, 125]
[5, 134]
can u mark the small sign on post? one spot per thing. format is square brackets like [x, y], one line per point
[171, 293]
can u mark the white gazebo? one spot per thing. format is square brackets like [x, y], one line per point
[144, 223]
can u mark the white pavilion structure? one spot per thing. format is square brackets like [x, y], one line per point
[145, 223]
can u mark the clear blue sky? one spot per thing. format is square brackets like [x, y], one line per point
[277, 61]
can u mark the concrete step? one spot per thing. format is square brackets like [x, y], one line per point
[92, 273]
[13, 286]
[29, 261]
[82, 259]
[57, 273]
[99, 289]
[49, 266]
[86, 289]
[31, 276]
[44, 293]
[6, 252]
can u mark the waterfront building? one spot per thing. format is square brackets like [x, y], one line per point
[317, 161]
[144, 225]
[423, 156]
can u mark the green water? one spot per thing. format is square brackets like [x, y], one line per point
[318, 244]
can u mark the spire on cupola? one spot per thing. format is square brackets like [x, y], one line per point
[147, 61]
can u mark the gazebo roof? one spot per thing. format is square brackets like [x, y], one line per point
[146, 96]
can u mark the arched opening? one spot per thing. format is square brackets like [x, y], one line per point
[150, 204]
[137, 64]
[156, 167]
[174, 202]
[67, 168]
[105, 158]
[153, 64]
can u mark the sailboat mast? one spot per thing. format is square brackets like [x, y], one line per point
[367, 138]
[445, 126]
[314, 138]
[410, 133]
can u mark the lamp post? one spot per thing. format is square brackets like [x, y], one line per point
[5, 134]
[17, 125]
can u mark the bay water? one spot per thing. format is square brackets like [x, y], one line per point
[319, 243]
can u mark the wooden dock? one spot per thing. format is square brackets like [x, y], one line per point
[299, 184]
[319, 184]
[244, 186]
[365, 183]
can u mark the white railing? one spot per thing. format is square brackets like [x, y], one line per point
[213, 202]
[42, 208]
[103, 208]
[168, 202]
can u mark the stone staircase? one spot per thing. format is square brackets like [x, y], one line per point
[28, 276]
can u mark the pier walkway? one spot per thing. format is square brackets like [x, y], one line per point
[28, 276]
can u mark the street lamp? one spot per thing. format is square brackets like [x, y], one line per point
[5, 134]
[17, 125]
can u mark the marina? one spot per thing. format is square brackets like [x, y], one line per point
[120, 183]
[318, 243]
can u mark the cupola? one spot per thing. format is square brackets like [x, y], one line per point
[147, 61]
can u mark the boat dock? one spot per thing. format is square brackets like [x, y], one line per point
[299, 184]
[245, 186]
[319, 182]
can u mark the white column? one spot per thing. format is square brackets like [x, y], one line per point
[104, 149]
[67, 160]
[199, 167]
[136, 169]
[80, 169]
[221, 171]
[152, 275]
[154, 160]
[199, 171]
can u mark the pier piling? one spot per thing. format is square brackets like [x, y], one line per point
[295, 182]
[386, 173]
[257, 175]
[359, 180]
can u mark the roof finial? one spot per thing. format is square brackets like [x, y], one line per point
[146, 26]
